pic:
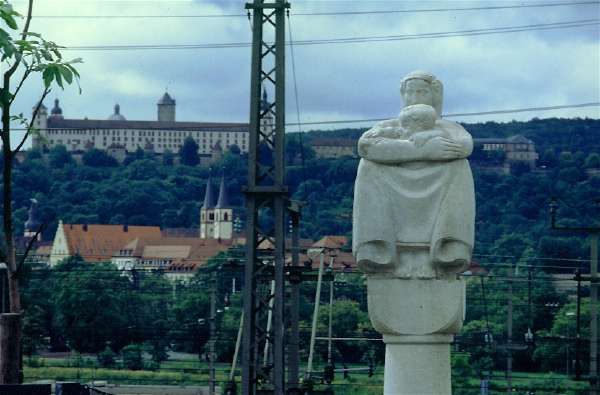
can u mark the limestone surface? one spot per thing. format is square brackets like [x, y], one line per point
[413, 232]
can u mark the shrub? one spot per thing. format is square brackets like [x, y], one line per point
[106, 358]
[132, 357]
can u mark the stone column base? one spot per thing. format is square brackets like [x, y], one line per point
[417, 365]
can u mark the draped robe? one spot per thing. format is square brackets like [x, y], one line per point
[427, 203]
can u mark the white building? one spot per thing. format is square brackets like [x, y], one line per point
[158, 136]
[216, 215]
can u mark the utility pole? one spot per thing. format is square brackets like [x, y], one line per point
[594, 313]
[266, 195]
[212, 329]
[293, 346]
[593, 234]
[329, 326]
[509, 330]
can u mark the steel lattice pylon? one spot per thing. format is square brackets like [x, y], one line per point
[266, 196]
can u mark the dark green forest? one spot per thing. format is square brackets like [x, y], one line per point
[512, 210]
[93, 308]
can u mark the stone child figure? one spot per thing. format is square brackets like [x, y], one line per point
[414, 206]
[416, 123]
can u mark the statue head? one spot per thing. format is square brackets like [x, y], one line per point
[421, 87]
[418, 118]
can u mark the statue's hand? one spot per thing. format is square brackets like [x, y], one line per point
[442, 148]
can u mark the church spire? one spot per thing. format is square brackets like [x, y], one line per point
[264, 103]
[223, 201]
[209, 196]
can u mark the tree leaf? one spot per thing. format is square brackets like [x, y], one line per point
[48, 76]
[66, 73]
[58, 76]
[9, 20]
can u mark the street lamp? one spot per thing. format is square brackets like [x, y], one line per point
[569, 314]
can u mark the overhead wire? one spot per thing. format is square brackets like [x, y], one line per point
[325, 13]
[348, 40]
[346, 121]
[297, 102]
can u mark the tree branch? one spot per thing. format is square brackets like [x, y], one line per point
[31, 121]
[18, 58]
[29, 246]
[25, 75]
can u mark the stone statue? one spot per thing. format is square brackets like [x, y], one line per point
[413, 231]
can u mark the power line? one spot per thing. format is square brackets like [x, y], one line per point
[345, 121]
[331, 13]
[464, 114]
[349, 40]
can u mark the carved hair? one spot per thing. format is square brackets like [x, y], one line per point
[437, 89]
[418, 117]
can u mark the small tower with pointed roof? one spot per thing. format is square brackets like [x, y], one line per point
[223, 214]
[266, 122]
[117, 116]
[40, 123]
[207, 212]
[33, 223]
[166, 108]
[56, 112]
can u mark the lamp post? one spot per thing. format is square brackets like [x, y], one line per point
[569, 314]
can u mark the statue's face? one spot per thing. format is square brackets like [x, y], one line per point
[418, 92]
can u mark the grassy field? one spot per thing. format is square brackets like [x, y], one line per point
[194, 372]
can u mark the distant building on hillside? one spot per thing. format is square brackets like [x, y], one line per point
[516, 148]
[119, 136]
[331, 148]
[216, 215]
[178, 252]
[32, 235]
[95, 243]
[177, 257]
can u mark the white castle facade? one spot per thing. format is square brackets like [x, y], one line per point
[118, 133]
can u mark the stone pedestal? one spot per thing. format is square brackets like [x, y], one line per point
[417, 365]
[418, 319]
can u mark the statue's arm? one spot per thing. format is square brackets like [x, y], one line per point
[377, 148]
[459, 135]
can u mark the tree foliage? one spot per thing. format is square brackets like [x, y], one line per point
[188, 153]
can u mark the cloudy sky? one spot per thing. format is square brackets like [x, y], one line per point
[336, 81]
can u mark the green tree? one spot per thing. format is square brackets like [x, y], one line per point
[190, 305]
[24, 54]
[592, 161]
[139, 154]
[348, 320]
[98, 158]
[88, 310]
[59, 157]
[461, 372]
[188, 153]
[168, 158]
[106, 358]
[132, 357]
[553, 355]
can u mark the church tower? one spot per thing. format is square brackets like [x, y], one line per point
[40, 123]
[207, 213]
[166, 108]
[267, 122]
[223, 214]
[32, 224]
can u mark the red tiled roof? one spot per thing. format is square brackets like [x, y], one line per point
[99, 242]
[192, 251]
[331, 242]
